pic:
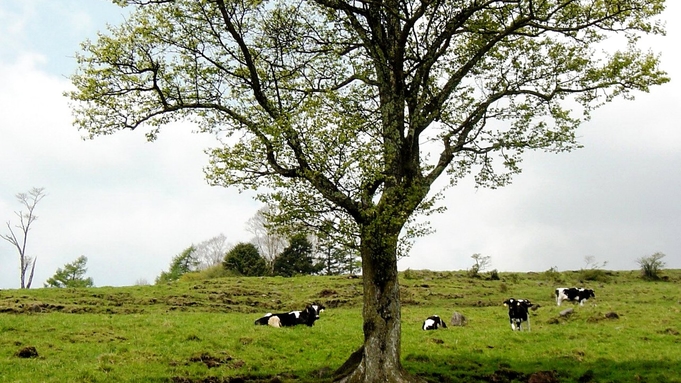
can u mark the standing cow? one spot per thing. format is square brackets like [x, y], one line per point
[574, 294]
[518, 313]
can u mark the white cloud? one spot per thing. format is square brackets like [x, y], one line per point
[13, 20]
[126, 204]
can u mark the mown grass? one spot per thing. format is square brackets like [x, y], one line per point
[202, 331]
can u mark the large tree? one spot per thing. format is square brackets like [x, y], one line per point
[353, 109]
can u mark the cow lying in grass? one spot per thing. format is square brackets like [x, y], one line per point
[306, 317]
[518, 313]
[574, 294]
[433, 323]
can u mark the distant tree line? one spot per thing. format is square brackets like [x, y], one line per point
[269, 253]
[244, 259]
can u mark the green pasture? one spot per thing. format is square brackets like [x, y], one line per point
[202, 331]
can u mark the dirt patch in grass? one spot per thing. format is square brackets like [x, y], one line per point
[543, 377]
[234, 379]
[213, 361]
[669, 331]
[504, 375]
[27, 352]
[327, 293]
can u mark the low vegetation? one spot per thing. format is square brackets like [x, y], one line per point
[202, 330]
[651, 266]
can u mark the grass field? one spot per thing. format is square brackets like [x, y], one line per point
[202, 331]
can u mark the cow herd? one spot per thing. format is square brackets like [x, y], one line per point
[518, 311]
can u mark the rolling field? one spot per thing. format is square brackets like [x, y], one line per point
[202, 331]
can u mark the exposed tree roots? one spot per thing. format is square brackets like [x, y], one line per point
[355, 370]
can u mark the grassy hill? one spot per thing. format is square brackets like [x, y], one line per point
[202, 331]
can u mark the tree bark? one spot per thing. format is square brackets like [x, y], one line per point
[378, 360]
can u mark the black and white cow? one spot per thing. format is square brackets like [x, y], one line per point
[433, 323]
[575, 294]
[307, 317]
[518, 313]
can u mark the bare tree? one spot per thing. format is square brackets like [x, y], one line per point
[212, 251]
[268, 242]
[593, 264]
[29, 200]
[482, 262]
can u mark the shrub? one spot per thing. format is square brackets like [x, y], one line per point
[651, 266]
[494, 275]
[593, 271]
[217, 271]
[553, 275]
[596, 275]
[245, 259]
[410, 274]
[514, 277]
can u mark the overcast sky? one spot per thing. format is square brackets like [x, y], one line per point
[130, 205]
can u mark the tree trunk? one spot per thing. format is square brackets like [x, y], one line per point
[378, 360]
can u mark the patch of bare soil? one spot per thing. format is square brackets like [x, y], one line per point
[212, 361]
[505, 376]
[543, 377]
[237, 379]
[27, 352]
[327, 293]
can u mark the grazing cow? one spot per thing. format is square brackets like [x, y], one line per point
[575, 294]
[433, 323]
[518, 313]
[307, 317]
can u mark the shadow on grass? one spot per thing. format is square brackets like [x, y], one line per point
[476, 369]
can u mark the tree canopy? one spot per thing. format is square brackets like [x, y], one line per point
[345, 112]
